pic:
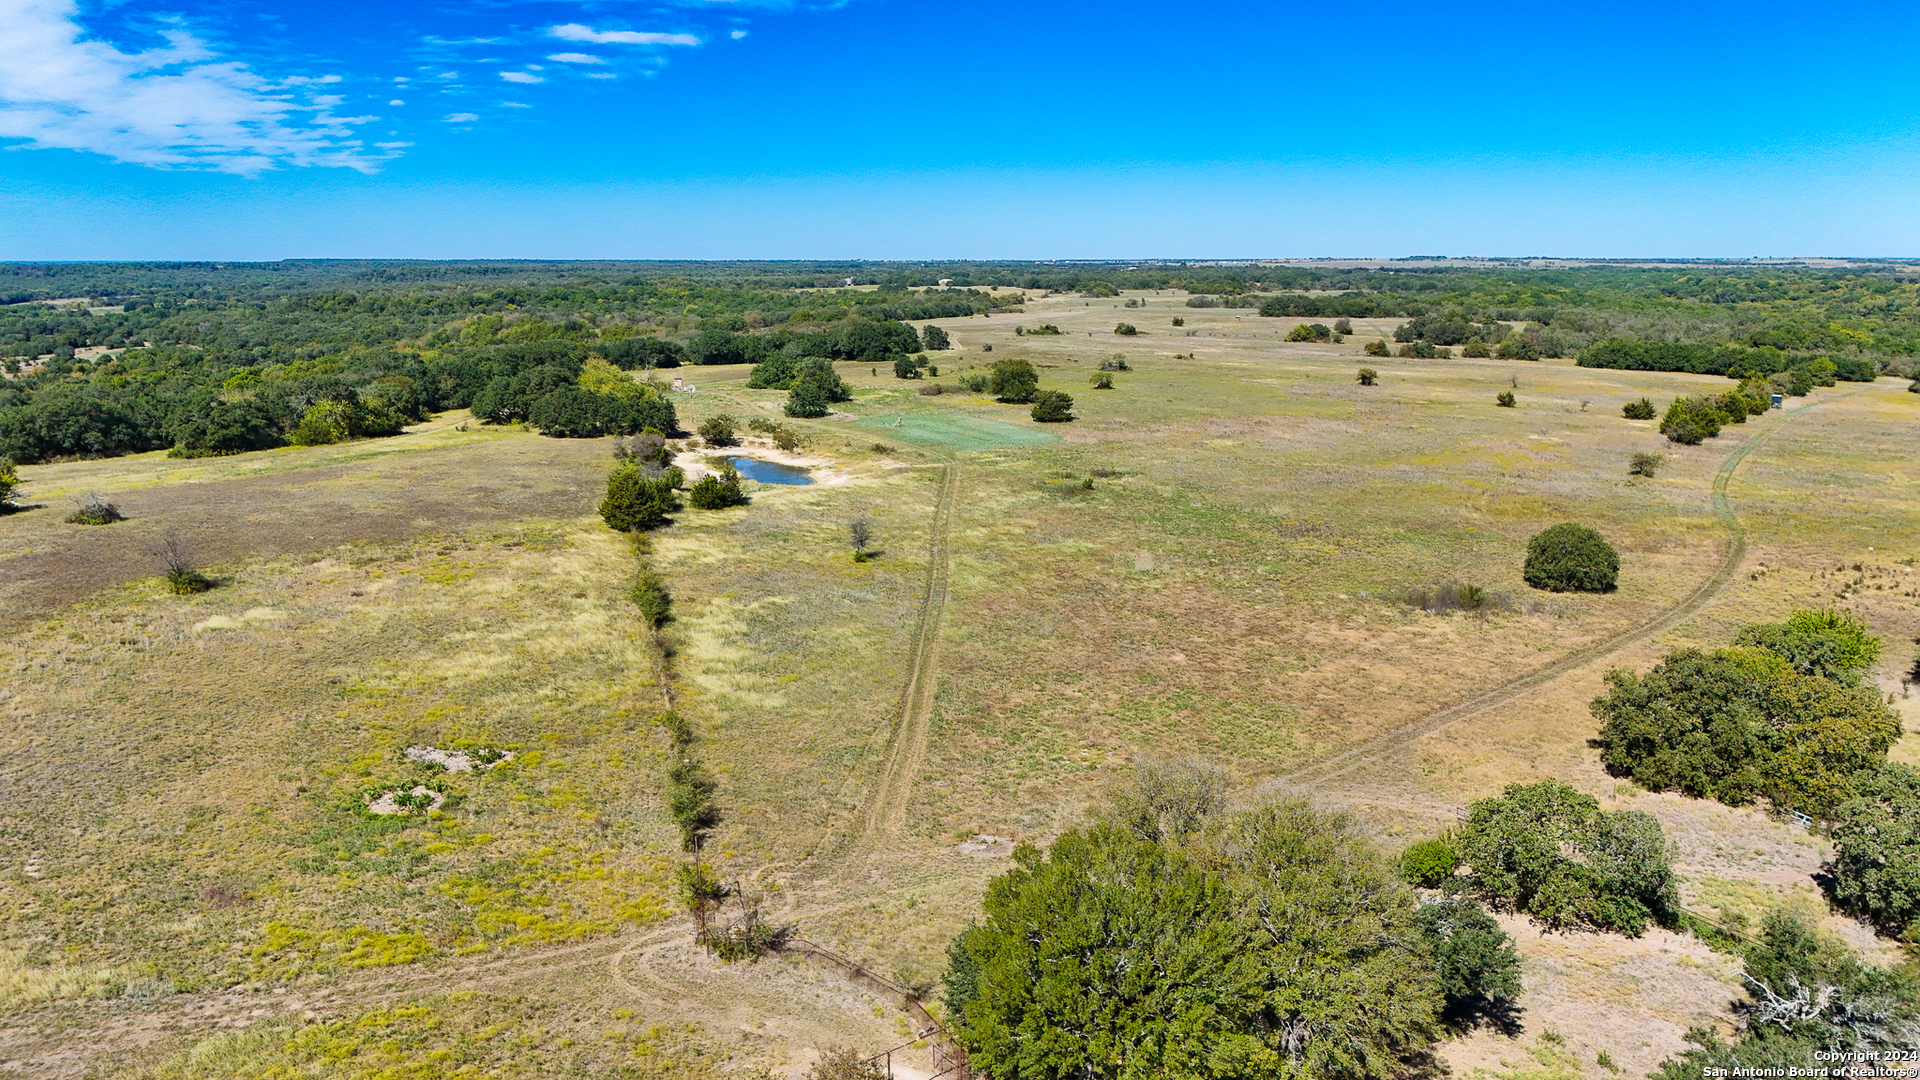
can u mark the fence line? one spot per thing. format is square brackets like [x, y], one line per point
[949, 1060]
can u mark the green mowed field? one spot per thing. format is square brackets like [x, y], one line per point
[1214, 560]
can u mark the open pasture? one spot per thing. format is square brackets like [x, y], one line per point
[1233, 584]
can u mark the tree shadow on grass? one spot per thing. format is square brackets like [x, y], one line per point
[1502, 1014]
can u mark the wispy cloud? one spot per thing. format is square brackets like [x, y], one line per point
[521, 77]
[175, 106]
[581, 32]
[575, 58]
[737, 34]
[462, 117]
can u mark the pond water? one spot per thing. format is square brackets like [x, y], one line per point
[770, 472]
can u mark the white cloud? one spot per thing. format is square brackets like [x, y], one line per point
[579, 32]
[603, 75]
[738, 34]
[516, 105]
[392, 145]
[575, 58]
[396, 101]
[462, 117]
[178, 105]
[521, 77]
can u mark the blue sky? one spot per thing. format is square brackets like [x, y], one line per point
[903, 129]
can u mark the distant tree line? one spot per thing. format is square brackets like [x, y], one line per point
[1730, 360]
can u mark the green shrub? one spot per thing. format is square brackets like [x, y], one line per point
[1550, 851]
[1310, 332]
[677, 729]
[646, 448]
[719, 430]
[1479, 350]
[934, 338]
[717, 491]
[185, 582]
[636, 502]
[96, 510]
[332, 421]
[1367, 377]
[1644, 463]
[1014, 380]
[1474, 958]
[691, 803]
[575, 412]
[1178, 321]
[1504, 399]
[904, 367]
[1116, 362]
[1429, 863]
[1101, 380]
[1638, 410]
[649, 593]
[9, 483]
[1571, 558]
[1875, 872]
[1691, 420]
[1126, 329]
[815, 389]
[1830, 644]
[1052, 407]
[1741, 723]
[1377, 347]
[1282, 942]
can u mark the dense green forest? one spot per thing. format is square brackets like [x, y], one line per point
[221, 358]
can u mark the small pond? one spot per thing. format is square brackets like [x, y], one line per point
[771, 472]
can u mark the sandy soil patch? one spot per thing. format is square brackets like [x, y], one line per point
[1631, 998]
[458, 760]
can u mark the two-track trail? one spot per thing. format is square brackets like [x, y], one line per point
[1736, 549]
[886, 805]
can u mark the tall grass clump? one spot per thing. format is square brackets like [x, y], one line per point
[1455, 596]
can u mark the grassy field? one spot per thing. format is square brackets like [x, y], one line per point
[183, 867]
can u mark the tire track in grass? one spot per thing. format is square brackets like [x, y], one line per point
[1353, 757]
[886, 808]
